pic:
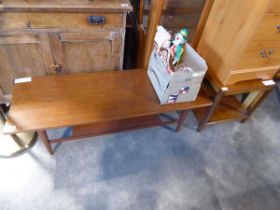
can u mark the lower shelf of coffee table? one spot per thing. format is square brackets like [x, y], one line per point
[229, 109]
[120, 125]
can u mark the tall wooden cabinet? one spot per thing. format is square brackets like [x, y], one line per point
[241, 40]
[177, 14]
[43, 37]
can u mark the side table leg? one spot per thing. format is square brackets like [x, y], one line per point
[211, 110]
[255, 103]
[183, 116]
[44, 137]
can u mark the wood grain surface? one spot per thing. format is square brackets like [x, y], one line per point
[44, 37]
[252, 57]
[77, 99]
[71, 5]
[228, 30]
[237, 88]
[268, 29]
[62, 20]
[274, 6]
[22, 56]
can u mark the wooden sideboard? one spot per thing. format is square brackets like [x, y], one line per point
[241, 40]
[45, 37]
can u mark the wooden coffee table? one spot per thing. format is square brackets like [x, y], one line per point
[93, 103]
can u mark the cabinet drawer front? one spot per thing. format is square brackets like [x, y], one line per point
[37, 20]
[251, 74]
[260, 54]
[269, 29]
[274, 6]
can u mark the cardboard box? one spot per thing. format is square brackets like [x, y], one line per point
[180, 86]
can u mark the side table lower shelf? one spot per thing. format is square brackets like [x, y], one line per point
[225, 112]
[226, 106]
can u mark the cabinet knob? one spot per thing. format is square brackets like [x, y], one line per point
[278, 27]
[264, 54]
[96, 20]
[57, 68]
[270, 52]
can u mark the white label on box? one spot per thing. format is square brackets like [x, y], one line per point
[268, 82]
[124, 5]
[196, 74]
[23, 79]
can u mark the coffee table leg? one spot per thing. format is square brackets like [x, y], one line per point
[183, 116]
[44, 137]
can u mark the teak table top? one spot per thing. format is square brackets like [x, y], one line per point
[58, 101]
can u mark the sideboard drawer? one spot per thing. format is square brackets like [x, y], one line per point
[274, 6]
[260, 54]
[38, 20]
[269, 29]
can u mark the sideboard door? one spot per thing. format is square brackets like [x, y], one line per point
[23, 55]
[86, 52]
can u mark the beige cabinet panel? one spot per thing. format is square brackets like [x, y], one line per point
[86, 52]
[23, 55]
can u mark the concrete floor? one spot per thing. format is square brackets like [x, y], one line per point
[231, 166]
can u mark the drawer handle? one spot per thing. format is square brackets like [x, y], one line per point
[57, 68]
[96, 20]
[264, 54]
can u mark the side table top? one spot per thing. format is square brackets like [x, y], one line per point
[68, 100]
